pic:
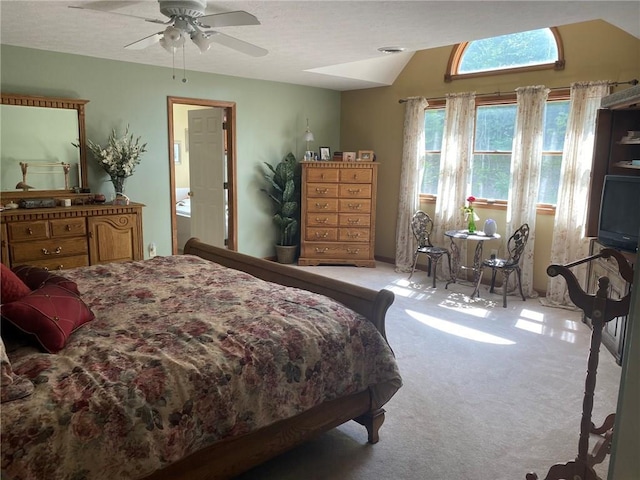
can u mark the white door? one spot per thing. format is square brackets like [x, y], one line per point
[207, 175]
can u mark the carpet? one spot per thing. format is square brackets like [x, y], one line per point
[489, 392]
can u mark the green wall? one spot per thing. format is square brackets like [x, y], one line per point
[271, 120]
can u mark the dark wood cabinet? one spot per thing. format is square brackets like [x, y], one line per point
[614, 331]
[612, 153]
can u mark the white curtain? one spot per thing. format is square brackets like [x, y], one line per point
[410, 175]
[526, 161]
[455, 167]
[569, 242]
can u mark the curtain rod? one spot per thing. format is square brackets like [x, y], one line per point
[498, 93]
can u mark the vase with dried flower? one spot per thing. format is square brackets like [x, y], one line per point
[119, 157]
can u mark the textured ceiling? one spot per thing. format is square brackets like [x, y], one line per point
[330, 44]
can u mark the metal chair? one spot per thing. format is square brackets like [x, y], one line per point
[515, 247]
[421, 226]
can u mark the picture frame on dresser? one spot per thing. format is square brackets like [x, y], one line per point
[325, 154]
[348, 156]
[365, 156]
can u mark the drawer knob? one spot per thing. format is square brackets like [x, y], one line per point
[68, 228]
[29, 231]
[321, 190]
[353, 251]
[322, 205]
[353, 191]
[56, 251]
[353, 221]
[322, 235]
[322, 220]
[353, 235]
[322, 250]
[355, 206]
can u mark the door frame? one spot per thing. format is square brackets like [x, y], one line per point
[230, 112]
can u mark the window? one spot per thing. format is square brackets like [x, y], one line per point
[532, 50]
[491, 158]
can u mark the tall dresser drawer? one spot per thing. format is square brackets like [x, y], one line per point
[322, 219]
[322, 190]
[356, 175]
[317, 175]
[321, 234]
[355, 191]
[336, 251]
[47, 249]
[353, 220]
[68, 227]
[31, 230]
[322, 205]
[355, 205]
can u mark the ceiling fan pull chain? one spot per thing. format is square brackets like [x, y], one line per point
[184, 66]
[173, 63]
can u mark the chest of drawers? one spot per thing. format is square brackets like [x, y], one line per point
[338, 213]
[68, 237]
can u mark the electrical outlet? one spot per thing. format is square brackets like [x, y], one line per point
[152, 250]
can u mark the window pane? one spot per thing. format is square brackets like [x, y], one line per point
[522, 49]
[433, 128]
[490, 176]
[494, 128]
[431, 173]
[549, 179]
[555, 126]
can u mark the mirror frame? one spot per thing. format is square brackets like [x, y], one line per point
[51, 102]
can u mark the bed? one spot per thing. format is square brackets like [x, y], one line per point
[197, 366]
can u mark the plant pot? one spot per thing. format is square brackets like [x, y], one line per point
[286, 253]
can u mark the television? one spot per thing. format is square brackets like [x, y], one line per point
[619, 223]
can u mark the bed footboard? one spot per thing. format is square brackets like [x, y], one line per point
[370, 303]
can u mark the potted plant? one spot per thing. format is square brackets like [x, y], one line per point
[284, 190]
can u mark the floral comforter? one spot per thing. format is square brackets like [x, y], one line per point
[183, 352]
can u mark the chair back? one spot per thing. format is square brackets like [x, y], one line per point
[516, 244]
[421, 226]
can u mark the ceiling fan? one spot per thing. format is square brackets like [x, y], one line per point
[188, 19]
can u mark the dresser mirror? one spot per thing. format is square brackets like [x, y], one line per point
[39, 157]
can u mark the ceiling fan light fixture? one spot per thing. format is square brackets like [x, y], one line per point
[166, 46]
[202, 41]
[172, 36]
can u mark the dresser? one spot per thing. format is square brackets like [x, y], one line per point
[67, 237]
[338, 213]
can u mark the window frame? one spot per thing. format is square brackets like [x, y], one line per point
[459, 49]
[558, 94]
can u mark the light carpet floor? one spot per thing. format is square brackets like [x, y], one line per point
[489, 392]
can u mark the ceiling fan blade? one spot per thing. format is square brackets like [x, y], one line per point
[229, 19]
[236, 44]
[98, 8]
[145, 42]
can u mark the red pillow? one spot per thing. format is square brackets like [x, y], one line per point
[36, 277]
[51, 313]
[11, 287]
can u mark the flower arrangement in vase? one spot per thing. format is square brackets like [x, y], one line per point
[119, 157]
[469, 215]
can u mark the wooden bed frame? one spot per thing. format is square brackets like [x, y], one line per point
[233, 456]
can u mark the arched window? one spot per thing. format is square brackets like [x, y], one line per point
[533, 50]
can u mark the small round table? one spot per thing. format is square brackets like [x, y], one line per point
[477, 236]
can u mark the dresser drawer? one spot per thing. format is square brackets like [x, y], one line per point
[355, 191]
[322, 205]
[319, 175]
[354, 220]
[354, 234]
[68, 227]
[355, 205]
[356, 175]
[48, 249]
[316, 190]
[314, 234]
[32, 230]
[336, 251]
[327, 220]
[61, 263]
